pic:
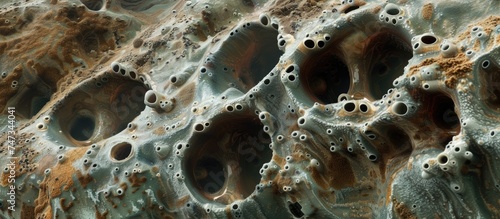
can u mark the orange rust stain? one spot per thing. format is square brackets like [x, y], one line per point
[59, 180]
[182, 201]
[6, 175]
[403, 211]
[84, 179]
[279, 160]
[6, 90]
[27, 211]
[98, 214]
[318, 177]
[338, 172]
[64, 206]
[454, 68]
[488, 25]
[228, 212]
[159, 131]
[67, 32]
[427, 11]
[136, 181]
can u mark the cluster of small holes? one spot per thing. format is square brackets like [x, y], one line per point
[391, 14]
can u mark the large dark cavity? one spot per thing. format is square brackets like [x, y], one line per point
[386, 56]
[98, 109]
[490, 71]
[325, 76]
[224, 160]
[440, 109]
[249, 54]
[82, 128]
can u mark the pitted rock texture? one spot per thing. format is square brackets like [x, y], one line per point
[250, 109]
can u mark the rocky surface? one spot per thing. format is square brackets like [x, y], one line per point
[249, 109]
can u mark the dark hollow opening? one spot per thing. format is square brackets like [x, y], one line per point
[209, 174]
[37, 104]
[443, 159]
[234, 142]
[82, 128]
[443, 112]
[428, 39]
[491, 74]
[296, 209]
[252, 53]
[349, 107]
[325, 76]
[387, 55]
[121, 151]
[309, 43]
[393, 11]
[349, 9]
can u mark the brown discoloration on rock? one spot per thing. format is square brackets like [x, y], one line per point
[6, 90]
[159, 131]
[60, 179]
[27, 211]
[403, 211]
[182, 201]
[338, 171]
[186, 95]
[84, 179]
[71, 31]
[136, 180]
[453, 68]
[138, 42]
[98, 214]
[278, 159]
[64, 206]
[291, 11]
[487, 24]
[47, 74]
[427, 11]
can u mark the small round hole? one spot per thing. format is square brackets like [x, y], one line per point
[400, 108]
[309, 43]
[264, 20]
[349, 107]
[121, 151]
[302, 121]
[133, 75]
[443, 159]
[393, 11]
[485, 64]
[363, 108]
[428, 39]
[372, 157]
[321, 44]
[199, 127]
[116, 68]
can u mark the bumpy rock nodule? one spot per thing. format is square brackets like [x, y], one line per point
[250, 109]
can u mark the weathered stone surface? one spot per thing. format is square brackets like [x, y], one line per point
[249, 109]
